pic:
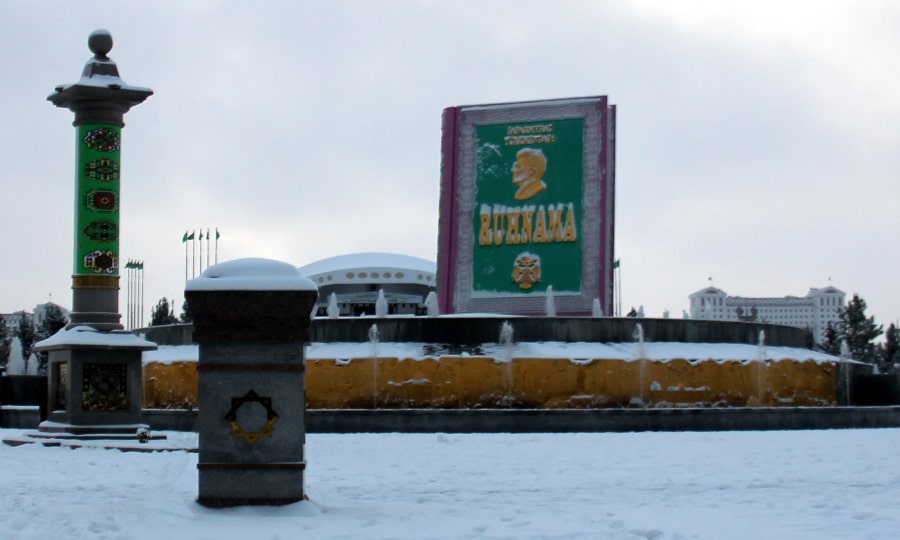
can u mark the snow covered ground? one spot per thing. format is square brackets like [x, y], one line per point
[725, 485]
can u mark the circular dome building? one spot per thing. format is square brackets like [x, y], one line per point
[356, 278]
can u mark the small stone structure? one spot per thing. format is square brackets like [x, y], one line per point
[95, 383]
[251, 320]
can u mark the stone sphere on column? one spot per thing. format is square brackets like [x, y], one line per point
[100, 42]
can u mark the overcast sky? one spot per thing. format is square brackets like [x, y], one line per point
[757, 141]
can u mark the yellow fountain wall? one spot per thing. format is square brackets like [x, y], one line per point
[172, 385]
[471, 382]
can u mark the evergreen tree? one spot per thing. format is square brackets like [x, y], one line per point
[831, 342]
[860, 331]
[52, 322]
[186, 315]
[891, 349]
[857, 330]
[163, 314]
[809, 339]
[26, 334]
[5, 344]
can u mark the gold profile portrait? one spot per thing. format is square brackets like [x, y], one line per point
[528, 173]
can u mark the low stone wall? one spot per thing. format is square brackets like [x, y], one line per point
[598, 420]
[477, 330]
[482, 382]
[538, 420]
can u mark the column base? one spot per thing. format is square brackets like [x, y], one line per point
[57, 430]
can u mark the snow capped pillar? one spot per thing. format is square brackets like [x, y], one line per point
[251, 320]
[99, 100]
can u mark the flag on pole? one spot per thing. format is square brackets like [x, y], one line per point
[616, 264]
[217, 245]
[190, 236]
[201, 235]
[185, 237]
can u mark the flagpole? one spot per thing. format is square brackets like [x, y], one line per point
[201, 251]
[193, 255]
[217, 245]
[207, 247]
[141, 303]
[184, 241]
[133, 272]
[620, 290]
[128, 293]
[132, 276]
[617, 282]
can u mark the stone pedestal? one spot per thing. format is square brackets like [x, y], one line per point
[251, 320]
[96, 384]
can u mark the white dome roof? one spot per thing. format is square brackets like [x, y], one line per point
[370, 268]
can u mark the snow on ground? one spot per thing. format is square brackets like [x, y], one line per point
[732, 485]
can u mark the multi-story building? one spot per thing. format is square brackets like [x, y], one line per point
[12, 320]
[814, 311]
[36, 318]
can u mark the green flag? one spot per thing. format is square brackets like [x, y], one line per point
[217, 233]
[185, 237]
[615, 264]
[191, 236]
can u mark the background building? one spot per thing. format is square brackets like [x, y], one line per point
[356, 278]
[36, 318]
[814, 311]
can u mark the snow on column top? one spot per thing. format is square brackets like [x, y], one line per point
[251, 275]
[86, 336]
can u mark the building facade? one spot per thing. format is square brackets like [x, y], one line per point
[814, 311]
[356, 279]
[36, 318]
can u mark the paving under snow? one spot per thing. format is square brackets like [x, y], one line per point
[734, 485]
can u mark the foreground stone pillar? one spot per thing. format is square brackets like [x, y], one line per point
[251, 321]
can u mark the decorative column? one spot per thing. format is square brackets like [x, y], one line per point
[99, 100]
[251, 320]
[94, 366]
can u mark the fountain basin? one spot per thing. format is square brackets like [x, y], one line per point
[464, 362]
